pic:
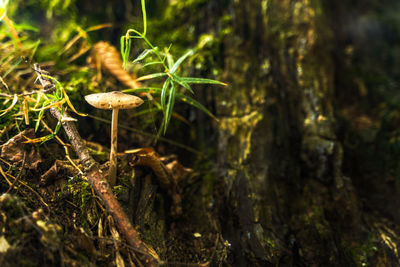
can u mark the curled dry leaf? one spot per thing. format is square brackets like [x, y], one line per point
[148, 157]
[13, 150]
[105, 56]
[170, 175]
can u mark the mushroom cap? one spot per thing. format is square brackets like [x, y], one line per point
[113, 100]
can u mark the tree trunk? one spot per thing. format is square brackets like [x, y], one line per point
[281, 196]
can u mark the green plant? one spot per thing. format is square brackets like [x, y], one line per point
[168, 92]
[19, 102]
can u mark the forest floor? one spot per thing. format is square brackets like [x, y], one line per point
[50, 216]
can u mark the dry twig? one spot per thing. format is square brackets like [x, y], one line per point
[98, 182]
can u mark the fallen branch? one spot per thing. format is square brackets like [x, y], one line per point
[100, 185]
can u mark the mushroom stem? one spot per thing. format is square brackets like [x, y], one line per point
[113, 152]
[113, 101]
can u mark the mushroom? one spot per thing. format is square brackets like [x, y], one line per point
[113, 101]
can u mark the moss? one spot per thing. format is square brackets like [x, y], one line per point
[240, 129]
[82, 195]
[362, 253]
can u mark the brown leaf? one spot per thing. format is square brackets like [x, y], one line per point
[148, 157]
[13, 150]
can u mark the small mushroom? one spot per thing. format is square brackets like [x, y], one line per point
[114, 101]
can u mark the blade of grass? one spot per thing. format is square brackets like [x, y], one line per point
[70, 44]
[153, 63]
[194, 103]
[25, 109]
[125, 49]
[143, 90]
[179, 61]
[147, 111]
[170, 60]
[179, 80]
[12, 68]
[15, 99]
[164, 93]
[179, 96]
[151, 76]
[167, 53]
[25, 27]
[33, 51]
[170, 106]
[143, 55]
[39, 119]
[53, 104]
[70, 104]
[122, 43]
[192, 80]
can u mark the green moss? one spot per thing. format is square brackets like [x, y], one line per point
[83, 197]
[240, 129]
[362, 253]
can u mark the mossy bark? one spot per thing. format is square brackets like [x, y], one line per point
[281, 194]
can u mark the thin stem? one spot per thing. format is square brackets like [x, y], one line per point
[156, 51]
[128, 35]
[113, 152]
[144, 17]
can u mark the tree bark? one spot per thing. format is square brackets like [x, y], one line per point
[282, 198]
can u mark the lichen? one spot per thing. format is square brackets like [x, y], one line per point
[240, 128]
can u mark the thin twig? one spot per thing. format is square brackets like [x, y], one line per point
[19, 174]
[28, 93]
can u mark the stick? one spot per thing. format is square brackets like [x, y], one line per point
[100, 185]
[19, 174]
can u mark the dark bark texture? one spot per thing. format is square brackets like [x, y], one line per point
[282, 197]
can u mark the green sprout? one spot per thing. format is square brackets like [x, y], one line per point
[168, 92]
